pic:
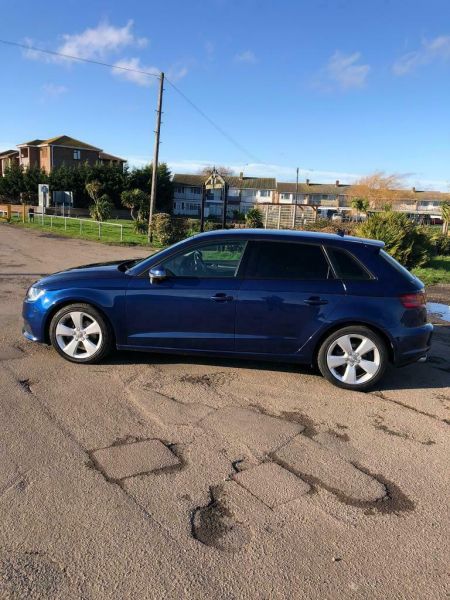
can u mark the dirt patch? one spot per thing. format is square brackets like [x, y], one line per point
[310, 426]
[378, 424]
[208, 380]
[344, 437]
[31, 575]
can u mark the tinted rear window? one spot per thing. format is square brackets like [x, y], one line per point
[285, 260]
[346, 265]
[397, 266]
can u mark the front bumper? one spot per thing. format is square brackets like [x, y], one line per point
[34, 315]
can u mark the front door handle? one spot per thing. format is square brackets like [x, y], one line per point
[222, 297]
[315, 301]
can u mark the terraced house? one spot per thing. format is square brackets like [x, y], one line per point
[52, 153]
[241, 193]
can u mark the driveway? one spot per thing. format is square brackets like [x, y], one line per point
[152, 476]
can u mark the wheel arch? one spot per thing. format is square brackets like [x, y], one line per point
[66, 302]
[349, 323]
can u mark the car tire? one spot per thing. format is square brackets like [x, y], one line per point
[353, 358]
[81, 334]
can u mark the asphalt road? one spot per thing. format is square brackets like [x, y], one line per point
[163, 477]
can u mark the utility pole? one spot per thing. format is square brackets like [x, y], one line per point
[155, 157]
[296, 189]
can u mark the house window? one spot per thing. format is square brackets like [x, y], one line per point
[76, 155]
[195, 190]
[264, 193]
[285, 196]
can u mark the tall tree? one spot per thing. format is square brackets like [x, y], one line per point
[141, 178]
[12, 184]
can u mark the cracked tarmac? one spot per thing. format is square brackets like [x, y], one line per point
[151, 476]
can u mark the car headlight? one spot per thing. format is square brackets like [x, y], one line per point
[34, 293]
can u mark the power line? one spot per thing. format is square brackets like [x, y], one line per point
[213, 123]
[79, 58]
[201, 112]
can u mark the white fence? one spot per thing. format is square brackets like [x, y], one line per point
[101, 225]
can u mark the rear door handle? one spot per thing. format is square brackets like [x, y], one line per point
[315, 301]
[222, 297]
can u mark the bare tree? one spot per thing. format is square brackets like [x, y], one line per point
[221, 169]
[380, 190]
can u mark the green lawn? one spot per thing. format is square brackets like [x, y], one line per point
[437, 271]
[109, 232]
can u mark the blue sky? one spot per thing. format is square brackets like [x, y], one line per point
[339, 88]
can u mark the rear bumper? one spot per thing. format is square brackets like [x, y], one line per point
[412, 344]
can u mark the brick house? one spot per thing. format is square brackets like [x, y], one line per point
[7, 159]
[54, 152]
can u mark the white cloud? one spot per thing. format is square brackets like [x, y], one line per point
[247, 56]
[177, 72]
[138, 73]
[98, 42]
[344, 71]
[53, 90]
[94, 43]
[437, 48]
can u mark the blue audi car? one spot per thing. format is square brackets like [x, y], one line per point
[340, 303]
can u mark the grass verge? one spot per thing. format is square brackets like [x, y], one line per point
[109, 232]
[436, 272]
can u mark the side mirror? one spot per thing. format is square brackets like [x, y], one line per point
[157, 274]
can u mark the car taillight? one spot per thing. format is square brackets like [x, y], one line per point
[414, 300]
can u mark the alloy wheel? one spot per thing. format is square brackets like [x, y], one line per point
[78, 334]
[353, 359]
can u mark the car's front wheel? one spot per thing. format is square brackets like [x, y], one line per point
[80, 333]
[353, 358]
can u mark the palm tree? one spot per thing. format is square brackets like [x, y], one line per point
[445, 209]
[361, 205]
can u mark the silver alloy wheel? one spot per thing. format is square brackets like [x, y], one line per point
[78, 334]
[353, 359]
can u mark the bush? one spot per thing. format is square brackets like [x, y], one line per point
[404, 240]
[254, 218]
[140, 226]
[163, 228]
[440, 243]
[168, 229]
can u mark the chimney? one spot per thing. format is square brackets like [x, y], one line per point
[307, 182]
[337, 182]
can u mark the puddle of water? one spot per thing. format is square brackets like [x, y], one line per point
[442, 310]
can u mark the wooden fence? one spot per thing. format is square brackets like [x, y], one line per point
[291, 216]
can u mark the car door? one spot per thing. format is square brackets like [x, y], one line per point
[193, 307]
[288, 292]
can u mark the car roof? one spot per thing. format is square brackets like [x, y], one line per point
[285, 235]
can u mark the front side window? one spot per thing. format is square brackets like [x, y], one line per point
[287, 260]
[221, 259]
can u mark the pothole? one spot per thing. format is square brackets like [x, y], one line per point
[215, 525]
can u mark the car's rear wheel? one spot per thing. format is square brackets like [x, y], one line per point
[80, 333]
[353, 358]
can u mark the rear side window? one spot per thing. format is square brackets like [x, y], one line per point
[396, 265]
[346, 265]
[285, 260]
